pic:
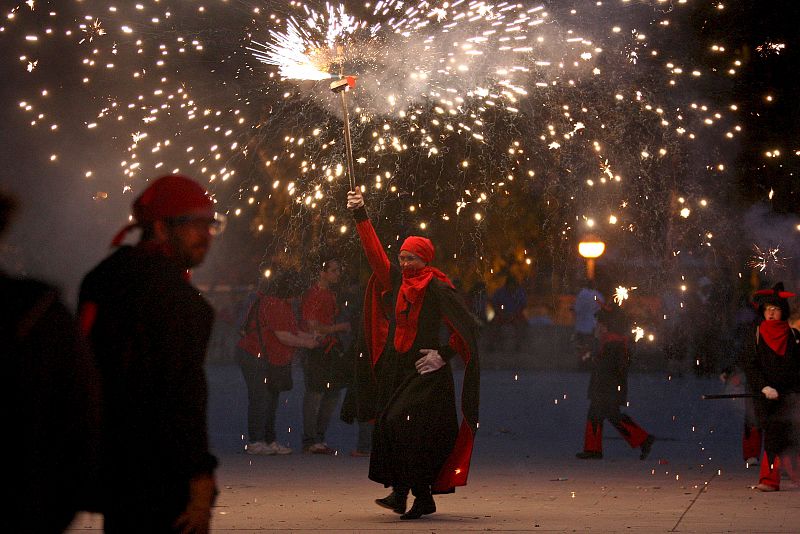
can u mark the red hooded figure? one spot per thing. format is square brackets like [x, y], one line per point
[418, 444]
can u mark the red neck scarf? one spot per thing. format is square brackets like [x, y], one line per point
[775, 334]
[613, 337]
[409, 304]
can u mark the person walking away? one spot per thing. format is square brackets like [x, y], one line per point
[265, 354]
[608, 388]
[149, 328]
[322, 370]
[771, 362]
[417, 443]
[588, 302]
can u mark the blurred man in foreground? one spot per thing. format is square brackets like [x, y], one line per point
[149, 328]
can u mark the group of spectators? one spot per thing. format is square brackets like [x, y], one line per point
[285, 317]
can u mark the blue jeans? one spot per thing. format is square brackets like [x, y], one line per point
[318, 408]
[262, 402]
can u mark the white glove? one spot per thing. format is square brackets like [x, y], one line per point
[770, 393]
[430, 362]
[354, 199]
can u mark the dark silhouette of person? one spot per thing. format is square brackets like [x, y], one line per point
[51, 407]
[149, 329]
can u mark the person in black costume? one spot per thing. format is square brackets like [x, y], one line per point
[608, 388]
[417, 442]
[771, 361]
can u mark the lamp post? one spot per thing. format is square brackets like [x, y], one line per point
[591, 248]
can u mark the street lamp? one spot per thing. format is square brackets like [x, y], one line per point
[591, 248]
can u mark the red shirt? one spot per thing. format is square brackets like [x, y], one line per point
[274, 314]
[319, 305]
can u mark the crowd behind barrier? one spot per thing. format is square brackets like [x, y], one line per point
[544, 341]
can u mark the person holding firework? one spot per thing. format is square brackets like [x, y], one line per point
[417, 443]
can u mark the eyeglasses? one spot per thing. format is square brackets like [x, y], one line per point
[215, 225]
[771, 308]
[407, 257]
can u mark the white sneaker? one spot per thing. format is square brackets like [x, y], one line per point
[320, 448]
[751, 461]
[260, 448]
[277, 448]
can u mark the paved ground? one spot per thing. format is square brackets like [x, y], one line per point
[524, 478]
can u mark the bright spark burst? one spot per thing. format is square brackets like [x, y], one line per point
[92, 31]
[464, 111]
[766, 259]
[621, 294]
[770, 48]
[638, 334]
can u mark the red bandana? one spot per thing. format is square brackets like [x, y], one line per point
[421, 247]
[409, 304]
[775, 334]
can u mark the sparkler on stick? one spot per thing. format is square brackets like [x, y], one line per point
[340, 87]
[731, 396]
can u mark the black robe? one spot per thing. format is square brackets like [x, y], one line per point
[764, 367]
[417, 439]
[149, 336]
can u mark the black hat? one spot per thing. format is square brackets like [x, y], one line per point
[776, 297]
[614, 318]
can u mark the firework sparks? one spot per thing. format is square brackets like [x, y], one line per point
[465, 111]
[621, 294]
[767, 259]
[638, 334]
[770, 48]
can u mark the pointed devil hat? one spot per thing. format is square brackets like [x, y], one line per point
[776, 296]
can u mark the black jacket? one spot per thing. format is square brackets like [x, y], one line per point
[50, 402]
[150, 337]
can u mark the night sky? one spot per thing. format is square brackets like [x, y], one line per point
[67, 216]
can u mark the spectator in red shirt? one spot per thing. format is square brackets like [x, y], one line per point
[265, 354]
[320, 371]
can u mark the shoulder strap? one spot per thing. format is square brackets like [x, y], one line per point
[256, 307]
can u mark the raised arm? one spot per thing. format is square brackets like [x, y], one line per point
[376, 256]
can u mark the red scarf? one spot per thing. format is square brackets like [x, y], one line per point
[409, 304]
[612, 337]
[775, 334]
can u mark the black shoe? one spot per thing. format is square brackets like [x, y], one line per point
[394, 502]
[421, 507]
[589, 455]
[646, 447]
